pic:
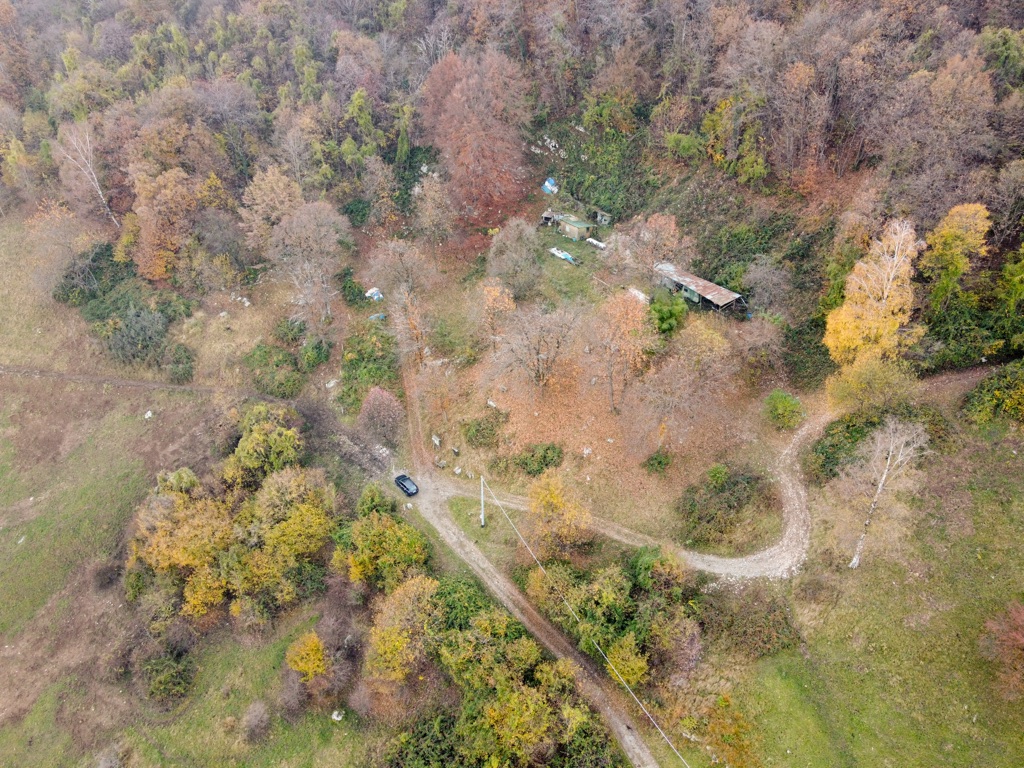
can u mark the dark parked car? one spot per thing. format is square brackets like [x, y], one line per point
[406, 485]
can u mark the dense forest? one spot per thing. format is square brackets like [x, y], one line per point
[854, 169]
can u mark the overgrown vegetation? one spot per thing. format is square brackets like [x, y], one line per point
[129, 315]
[783, 410]
[369, 358]
[710, 511]
[1001, 394]
[275, 371]
[485, 431]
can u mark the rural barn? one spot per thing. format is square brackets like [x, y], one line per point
[697, 289]
[573, 228]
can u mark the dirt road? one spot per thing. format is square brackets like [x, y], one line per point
[598, 690]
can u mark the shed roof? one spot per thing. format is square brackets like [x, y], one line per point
[572, 221]
[716, 294]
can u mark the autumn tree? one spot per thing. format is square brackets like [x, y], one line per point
[556, 522]
[894, 447]
[495, 306]
[536, 340]
[514, 257]
[381, 416]
[869, 384]
[624, 335]
[879, 299]
[164, 206]
[435, 216]
[397, 644]
[307, 246]
[384, 551]
[398, 264]
[307, 656]
[269, 198]
[80, 169]
[474, 110]
[951, 245]
[646, 242]
[1004, 644]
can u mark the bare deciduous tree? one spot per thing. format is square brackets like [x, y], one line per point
[381, 415]
[79, 162]
[896, 445]
[624, 334]
[307, 246]
[514, 257]
[537, 340]
[398, 265]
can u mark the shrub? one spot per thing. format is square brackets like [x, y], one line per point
[275, 371]
[485, 431]
[307, 656]
[538, 458]
[256, 722]
[754, 622]
[783, 409]
[369, 359]
[837, 447]
[668, 309]
[314, 353]
[135, 583]
[1001, 394]
[806, 359]
[137, 336]
[169, 677]
[685, 146]
[658, 462]
[357, 210]
[352, 291]
[289, 331]
[381, 416]
[709, 512]
[179, 362]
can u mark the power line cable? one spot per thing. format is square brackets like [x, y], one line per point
[579, 621]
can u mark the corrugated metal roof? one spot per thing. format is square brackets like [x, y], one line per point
[572, 221]
[716, 294]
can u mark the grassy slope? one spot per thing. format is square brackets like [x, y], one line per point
[83, 502]
[893, 674]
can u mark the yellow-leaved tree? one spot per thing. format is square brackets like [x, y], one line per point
[556, 522]
[308, 657]
[958, 237]
[872, 321]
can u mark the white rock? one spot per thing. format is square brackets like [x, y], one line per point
[458, 470]
[223, 314]
[149, 415]
[332, 383]
[337, 716]
[21, 540]
[587, 451]
[610, 440]
[491, 404]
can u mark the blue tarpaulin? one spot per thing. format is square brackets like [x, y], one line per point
[549, 187]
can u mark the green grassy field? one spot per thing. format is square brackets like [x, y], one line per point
[893, 674]
[69, 512]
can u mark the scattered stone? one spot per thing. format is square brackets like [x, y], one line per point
[21, 540]
[436, 440]
[246, 303]
[491, 404]
[332, 383]
[458, 470]
[610, 440]
[587, 451]
[149, 415]
[223, 315]
[408, 505]
[455, 450]
[441, 464]
[337, 716]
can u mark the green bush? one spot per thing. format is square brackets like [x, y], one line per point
[669, 310]
[658, 462]
[369, 358]
[838, 446]
[169, 677]
[357, 210]
[179, 361]
[275, 371]
[783, 409]
[755, 621]
[451, 338]
[806, 359]
[709, 512]
[137, 336]
[135, 583]
[314, 353]
[685, 146]
[288, 331]
[538, 458]
[485, 431]
[1001, 394]
[352, 291]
